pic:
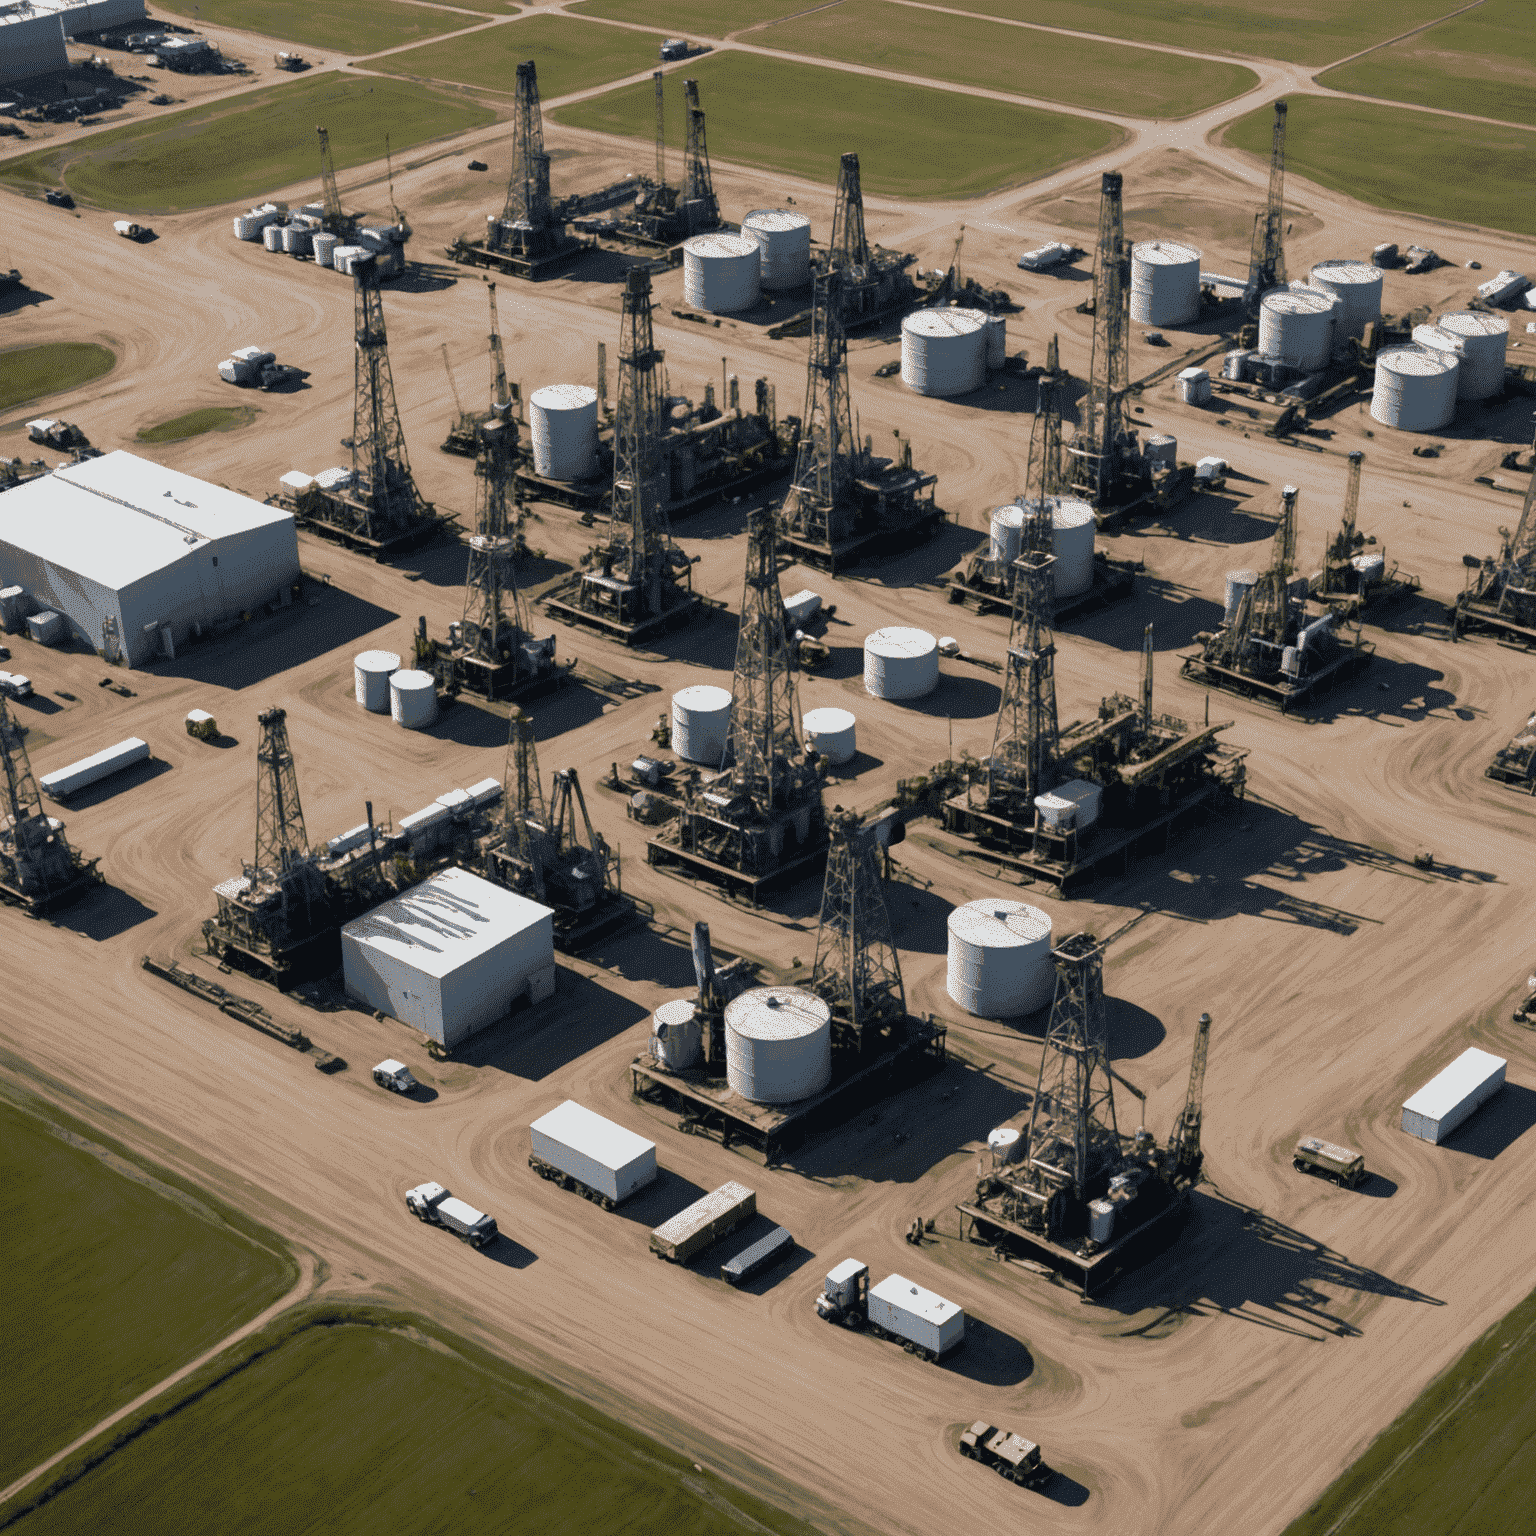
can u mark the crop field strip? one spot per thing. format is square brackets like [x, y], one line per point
[1400, 158]
[1483, 62]
[340, 26]
[571, 55]
[247, 1443]
[242, 147]
[978, 51]
[913, 141]
[141, 1277]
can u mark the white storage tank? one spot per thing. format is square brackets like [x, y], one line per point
[721, 273]
[784, 239]
[900, 663]
[272, 236]
[413, 699]
[1162, 448]
[1452, 1095]
[1357, 286]
[1006, 533]
[1165, 282]
[1484, 339]
[943, 352]
[562, 421]
[676, 1035]
[1073, 527]
[778, 1044]
[1238, 582]
[997, 339]
[296, 239]
[323, 243]
[1415, 389]
[371, 672]
[1000, 958]
[1004, 1144]
[1194, 386]
[831, 732]
[1296, 327]
[701, 721]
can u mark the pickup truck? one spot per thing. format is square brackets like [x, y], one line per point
[395, 1076]
[433, 1204]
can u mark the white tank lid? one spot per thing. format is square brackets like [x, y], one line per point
[1166, 253]
[775, 220]
[899, 641]
[778, 1013]
[1010, 516]
[1243, 578]
[1343, 270]
[1068, 512]
[377, 661]
[671, 1014]
[1003, 1136]
[1417, 361]
[704, 697]
[1469, 322]
[995, 923]
[828, 721]
[720, 247]
[411, 681]
[942, 323]
[563, 397]
[1298, 301]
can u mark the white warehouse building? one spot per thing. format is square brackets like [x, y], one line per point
[31, 43]
[451, 955]
[166, 555]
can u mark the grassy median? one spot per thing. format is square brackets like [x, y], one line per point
[30, 373]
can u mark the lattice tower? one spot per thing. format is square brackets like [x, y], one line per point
[35, 858]
[1518, 562]
[1096, 447]
[281, 841]
[1044, 475]
[1073, 1138]
[1271, 603]
[1266, 262]
[523, 799]
[332, 219]
[494, 623]
[1023, 760]
[849, 248]
[661, 132]
[699, 185]
[1184, 1144]
[501, 395]
[528, 201]
[381, 469]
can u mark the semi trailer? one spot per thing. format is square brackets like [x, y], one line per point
[433, 1204]
[692, 1230]
[923, 1323]
[759, 1256]
[579, 1150]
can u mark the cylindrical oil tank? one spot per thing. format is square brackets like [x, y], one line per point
[831, 732]
[371, 672]
[562, 421]
[272, 236]
[676, 1035]
[1484, 339]
[1165, 282]
[1006, 527]
[297, 239]
[413, 699]
[1369, 568]
[1004, 1144]
[1162, 448]
[1073, 527]
[323, 243]
[1000, 958]
[943, 352]
[1296, 327]
[721, 273]
[900, 663]
[1415, 388]
[997, 340]
[784, 239]
[778, 1044]
[701, 720]
[1238, 582]
[1357, 286]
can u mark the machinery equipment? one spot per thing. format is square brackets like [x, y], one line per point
[1010, 1455]
[1351, 582]
[333, 220]
[433, 1204]
[39, 869]
[1266, 261]
[664, 215]
[951, 288]
[464, 436]
[874, 281]
[923, 1324]
[1515, 764]
[1500, 595]
[1329, 1161]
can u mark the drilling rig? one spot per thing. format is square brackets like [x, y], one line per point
[277, 917]
[1082, 1196]
[874, 281]
[464, 436]
[1266, 261]
[666, 215]
[1500, 596]
[551, 854]
[529, 237]
[1269, 646]
[38, 868]
[761, 821]
[1355, 578]
[634, 590]
[380, 509]
[843, 499]
[333, 220]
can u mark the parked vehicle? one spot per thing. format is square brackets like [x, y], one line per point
[579, 1150]
[395, 1076]
[131, 231]
[202, 725]
[58, 197]
[692, 1230]
[761, 1255]
[1011, 1455]
[14, 686]
[432, 1203]
[1314, 1155]
[923, 1323]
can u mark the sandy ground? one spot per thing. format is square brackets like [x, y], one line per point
[1218, 1390]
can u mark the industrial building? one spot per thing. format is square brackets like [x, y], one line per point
[81, 18]
[140, 558]
[31, 42]
[451, 955]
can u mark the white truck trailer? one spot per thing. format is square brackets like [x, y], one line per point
[1453, 1094]
[923, 1323]
[579, 1150]
[692, 1230]
[433, 1204]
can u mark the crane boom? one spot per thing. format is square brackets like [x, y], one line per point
[1266, 264]
[333, 219]
[501, 398]
[458, 404]
[1185, 1143]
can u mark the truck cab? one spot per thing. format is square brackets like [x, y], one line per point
[1343, 1165]
[432, 1203]
[14, 686]
[1008, 1454]
[396, 1076]
[844, 1295]
[424, 1199]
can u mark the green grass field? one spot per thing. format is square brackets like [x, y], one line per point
[114, 1276]
[798, 118]
[703, 18]
[1460, 1462]
[1301, 31]
[212, 418]
[1483, 62]
[29, 373]
[362, 1429]
[975, 51]
[571, 55]
[246, 146]
[1395, 157]
[341, 26]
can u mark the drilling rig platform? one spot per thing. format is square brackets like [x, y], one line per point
[1082, 1197]
[1500, 596]
[39, 870]
[877, 1047]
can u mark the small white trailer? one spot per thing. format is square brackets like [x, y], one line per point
[580, 1150]
[1452, 1095]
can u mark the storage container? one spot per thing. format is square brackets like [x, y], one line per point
[910, 1312]
[692, 1230]
[595, 1152]
[1451, 1096]
[761, 1255]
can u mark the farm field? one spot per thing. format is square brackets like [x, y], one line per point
[122, 1278]
[1467, 1450]
[1303, 32]
[1394, 157]
[798, 118]
[1483, 62]
[248, 145]
[30, 373]
[708, 18]
[975, 51]
[344, 26]
[450, 1440]
[211, 418]
[571, 56]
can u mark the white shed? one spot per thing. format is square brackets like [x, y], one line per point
[164, 554]
[451, 955]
